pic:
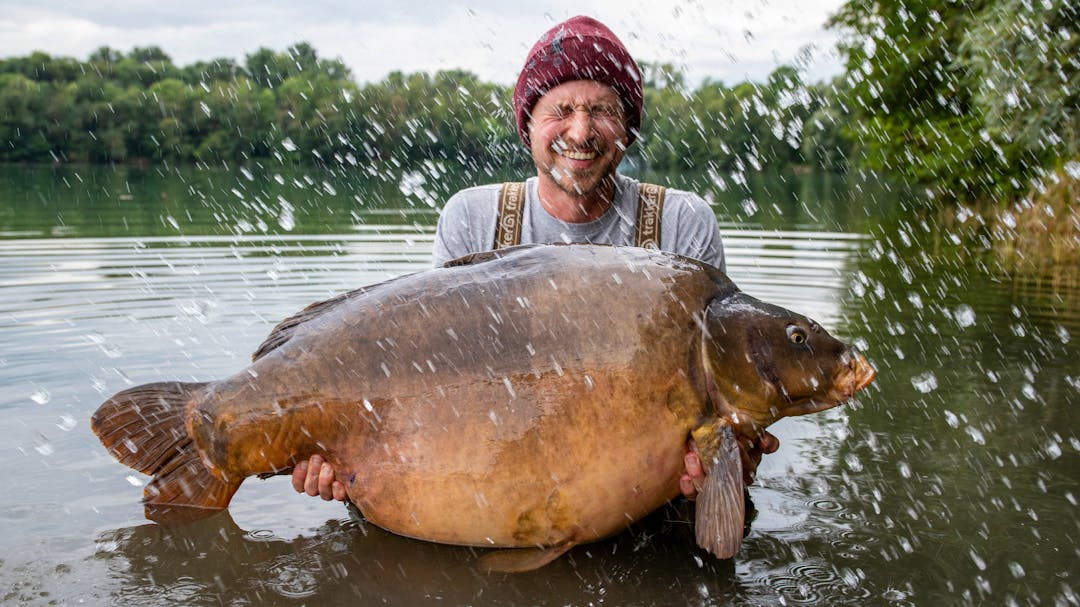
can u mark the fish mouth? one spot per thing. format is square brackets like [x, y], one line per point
[854, 374]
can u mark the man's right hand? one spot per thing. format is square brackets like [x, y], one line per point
[751, 452]
[316, 477]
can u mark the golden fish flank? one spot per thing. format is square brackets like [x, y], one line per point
[560, 395]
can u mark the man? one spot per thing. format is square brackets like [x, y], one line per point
[578, 104]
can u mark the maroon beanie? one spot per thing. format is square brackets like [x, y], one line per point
[580, 48]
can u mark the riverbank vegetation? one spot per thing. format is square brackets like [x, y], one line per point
[977, 102]
[297, 107]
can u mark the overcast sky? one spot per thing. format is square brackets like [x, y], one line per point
[726, 40]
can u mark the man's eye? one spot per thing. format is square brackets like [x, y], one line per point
[605, 111]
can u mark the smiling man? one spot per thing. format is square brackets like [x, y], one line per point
[578, 104]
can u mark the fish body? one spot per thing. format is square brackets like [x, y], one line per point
[540, 396]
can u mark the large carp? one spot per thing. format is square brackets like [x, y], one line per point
[539, 396]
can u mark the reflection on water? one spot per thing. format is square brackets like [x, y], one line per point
[953, 480]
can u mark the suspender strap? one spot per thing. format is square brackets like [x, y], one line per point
[511, 211]
[650, 209]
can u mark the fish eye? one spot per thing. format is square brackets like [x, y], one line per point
[796, 335]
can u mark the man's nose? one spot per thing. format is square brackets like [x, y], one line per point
[579, 125]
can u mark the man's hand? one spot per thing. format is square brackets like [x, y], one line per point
[751, 452]
[316, 477]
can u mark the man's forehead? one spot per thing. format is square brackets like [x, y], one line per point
[578, 92]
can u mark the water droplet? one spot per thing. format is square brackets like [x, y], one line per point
[135, 482]
[976, 435]
[1029, 391]
[41, 396]
[42, 445]
[1053, 449]
[925, 382]
[749, 207]
[1063, 334]
[288, 144]
[853, 462]
[964, 316]
[1016, 570]
[951, 419]
[905, 469]
[67, 423]
[981, 564]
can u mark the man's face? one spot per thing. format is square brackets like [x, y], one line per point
[578, 135]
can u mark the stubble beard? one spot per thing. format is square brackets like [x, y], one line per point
[595, 181]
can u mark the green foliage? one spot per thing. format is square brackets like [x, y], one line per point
[969, 98]
[296, 107]
[745, 128]
[1028, 92]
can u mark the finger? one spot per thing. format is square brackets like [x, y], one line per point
[686, 485]
[299, 473]
[326, 481]
[768, 443]
[693, 466]
[339, 491]
[311, 481]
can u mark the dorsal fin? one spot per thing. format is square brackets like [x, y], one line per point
[285, 329]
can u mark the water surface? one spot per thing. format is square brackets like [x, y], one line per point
[953, 480]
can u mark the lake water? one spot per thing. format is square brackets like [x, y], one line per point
[954, 479]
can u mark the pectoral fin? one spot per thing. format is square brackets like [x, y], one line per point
[721, 510]
[517, 560]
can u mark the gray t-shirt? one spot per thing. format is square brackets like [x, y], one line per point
[688, 226]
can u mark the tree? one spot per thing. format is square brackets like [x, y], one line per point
[967, 97]
[1028, 89]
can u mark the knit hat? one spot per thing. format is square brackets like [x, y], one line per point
[580, 48]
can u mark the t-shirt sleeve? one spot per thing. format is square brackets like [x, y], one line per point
[466, 225]
[689, 228]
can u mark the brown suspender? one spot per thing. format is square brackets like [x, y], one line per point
[512, 211]
[650, 208]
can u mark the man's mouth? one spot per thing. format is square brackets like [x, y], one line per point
[579, 154]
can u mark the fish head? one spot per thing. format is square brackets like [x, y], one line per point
[763, 362]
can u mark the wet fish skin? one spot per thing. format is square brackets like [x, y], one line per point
[536, 396]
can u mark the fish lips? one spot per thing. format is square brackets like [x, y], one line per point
[854, 374]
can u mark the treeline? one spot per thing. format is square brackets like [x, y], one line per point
[296, 107]
[972, 98]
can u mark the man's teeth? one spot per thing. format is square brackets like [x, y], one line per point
[579, 154]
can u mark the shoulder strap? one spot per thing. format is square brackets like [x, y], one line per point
[509, 215]
[650, 210]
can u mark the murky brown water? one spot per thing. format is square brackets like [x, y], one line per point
[953, 480]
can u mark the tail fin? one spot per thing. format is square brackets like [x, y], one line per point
[144, 427]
